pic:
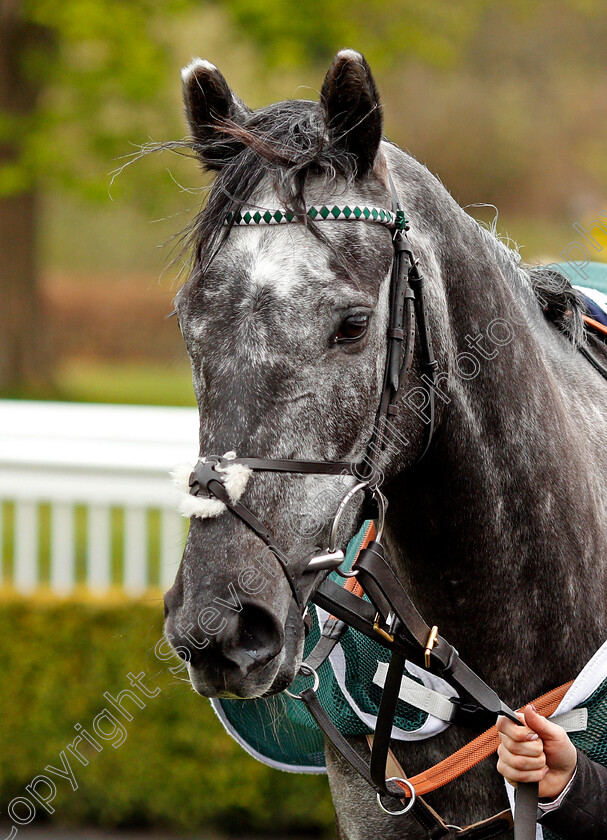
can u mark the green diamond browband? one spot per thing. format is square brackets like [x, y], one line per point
[251, 216]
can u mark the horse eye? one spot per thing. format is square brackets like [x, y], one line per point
[352, 328]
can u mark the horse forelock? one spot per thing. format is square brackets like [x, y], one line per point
[281, 145]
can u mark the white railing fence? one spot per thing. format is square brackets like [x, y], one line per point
[85, 495]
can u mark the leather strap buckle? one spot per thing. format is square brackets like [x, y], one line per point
[380, 630]
[430, 645]
[471, 715]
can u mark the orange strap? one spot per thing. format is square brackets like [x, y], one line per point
[352, 584]
[596, 325]
[475, 751]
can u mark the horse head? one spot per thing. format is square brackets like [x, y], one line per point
[286, 327]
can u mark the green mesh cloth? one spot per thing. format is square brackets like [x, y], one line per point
[596, 275]
[593, 741]
[280, 731]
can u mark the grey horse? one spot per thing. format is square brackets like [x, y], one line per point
[499, 533]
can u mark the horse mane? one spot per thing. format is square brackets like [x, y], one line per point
[561, 304]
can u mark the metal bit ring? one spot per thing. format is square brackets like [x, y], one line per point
[362, 485]
[409, 804]
[309, 672]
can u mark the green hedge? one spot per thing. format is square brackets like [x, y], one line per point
[176, 769]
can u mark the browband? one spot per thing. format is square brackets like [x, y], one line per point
[248, 216]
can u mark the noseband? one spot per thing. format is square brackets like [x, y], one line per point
[387, 615]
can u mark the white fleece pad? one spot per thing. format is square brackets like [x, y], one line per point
[203, 507]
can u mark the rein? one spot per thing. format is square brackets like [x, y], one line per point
[388, 615]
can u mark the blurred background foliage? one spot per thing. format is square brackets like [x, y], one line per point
[177, 770]
[504, 101]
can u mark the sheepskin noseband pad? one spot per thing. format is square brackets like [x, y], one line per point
[195, 499]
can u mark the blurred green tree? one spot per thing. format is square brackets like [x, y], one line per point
[79, 81]
[503, 99]
[292, 33]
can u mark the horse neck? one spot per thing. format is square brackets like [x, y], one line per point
[500, 529]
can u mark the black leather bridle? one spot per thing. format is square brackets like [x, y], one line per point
[407, 307]
[388, 616]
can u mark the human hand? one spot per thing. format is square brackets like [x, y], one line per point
[540, 751]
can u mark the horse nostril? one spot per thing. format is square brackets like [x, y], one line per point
[166, 608]
[254, 639]
[246, 641]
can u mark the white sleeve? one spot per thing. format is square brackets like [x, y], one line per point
[545, 807]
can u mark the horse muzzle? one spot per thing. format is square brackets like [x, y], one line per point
[235, 652]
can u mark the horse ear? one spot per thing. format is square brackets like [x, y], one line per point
[208, 102]
[352, 108]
